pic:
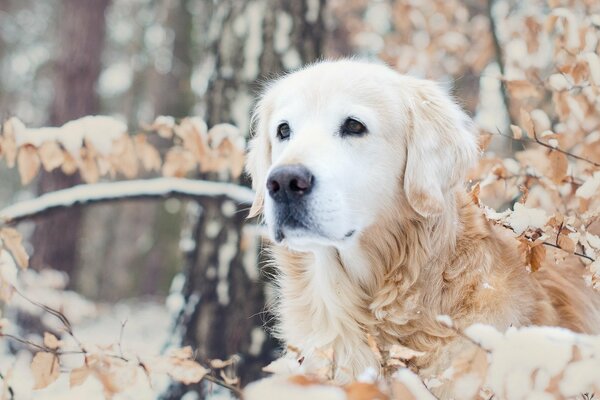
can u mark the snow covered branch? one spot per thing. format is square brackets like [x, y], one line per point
[122, 190]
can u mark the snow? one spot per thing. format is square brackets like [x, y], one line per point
[523, 218]
[537, 361]
[125, 189]
[589, 187]
[280, 388]
[145, 332]
[413, 383]
[100, 131]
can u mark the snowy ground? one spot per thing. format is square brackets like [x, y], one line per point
[147, 327]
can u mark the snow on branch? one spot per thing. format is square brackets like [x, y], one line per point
[131, 189]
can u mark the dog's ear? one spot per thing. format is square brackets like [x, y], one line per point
[441, 147]
[258, 159]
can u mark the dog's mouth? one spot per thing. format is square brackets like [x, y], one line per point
[292, 227]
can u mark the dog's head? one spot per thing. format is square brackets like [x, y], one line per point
[338, 144]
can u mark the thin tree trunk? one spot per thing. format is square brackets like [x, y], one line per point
[224, 295]
[82, 31]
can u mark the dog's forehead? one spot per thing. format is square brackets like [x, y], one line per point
[328, 84]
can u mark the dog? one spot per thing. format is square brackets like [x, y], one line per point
[359, 173]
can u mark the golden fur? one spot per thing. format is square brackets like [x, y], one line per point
[424, 258]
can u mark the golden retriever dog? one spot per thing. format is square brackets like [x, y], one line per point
[359, 172]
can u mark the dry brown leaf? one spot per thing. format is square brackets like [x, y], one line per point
[51, 155]
[364, 391]
[28, 162]
[45, 369]
[527, 122]
[187, 371]
[521, 89]
[163, 125]
[475, 191]
[88, 168]
[178, 162]
[566, 243]
[123, 156]
[51, 341]
[147, 154]
[484, 141]
[12, 241]
[557, 166]
[194, 135]
[69, 165]
[537, 258]
[516, 132]
[78, 376]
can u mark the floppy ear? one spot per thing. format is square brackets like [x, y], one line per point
[441, 147]
[259, 157]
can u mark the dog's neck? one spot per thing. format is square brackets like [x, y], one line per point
[388, 284]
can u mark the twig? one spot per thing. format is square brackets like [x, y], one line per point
[7, 387]
[538, 141]
[121, 336]
[574, 253]
[224, 384]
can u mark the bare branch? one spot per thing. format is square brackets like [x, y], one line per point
[124, 190]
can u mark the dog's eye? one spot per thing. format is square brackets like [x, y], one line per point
[353, 127]
[283, 131]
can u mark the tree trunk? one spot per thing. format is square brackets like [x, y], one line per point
[224, 311]
[82, 31]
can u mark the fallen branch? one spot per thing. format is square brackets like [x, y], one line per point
[124, 190]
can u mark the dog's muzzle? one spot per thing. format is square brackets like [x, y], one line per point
[289, 186]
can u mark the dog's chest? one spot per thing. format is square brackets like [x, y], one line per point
[321, 308]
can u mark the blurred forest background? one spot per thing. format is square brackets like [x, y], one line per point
[136, 60]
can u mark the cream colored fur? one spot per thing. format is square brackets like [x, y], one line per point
[422, 247]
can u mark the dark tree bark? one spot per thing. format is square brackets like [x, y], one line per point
[225, 297]
[82, 31]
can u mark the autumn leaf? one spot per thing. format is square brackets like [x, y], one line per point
[527, 122]
[51, 155]
[537, 257]
[557, 166]
[28, 162]
[484, 141]
[45, 369]
[521, 89]
[147, 154]
[69, 165]
[12, 240]
[78, 376]
[187, 371]
[364, 391]
[178, 162]
[516, 132]
[163, 125]
[566, 243]
[51, 341]
[123, 156]
[89, 167]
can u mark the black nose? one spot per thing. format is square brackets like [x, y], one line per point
[289, 182]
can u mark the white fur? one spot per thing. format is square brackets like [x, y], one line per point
[358, 180]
